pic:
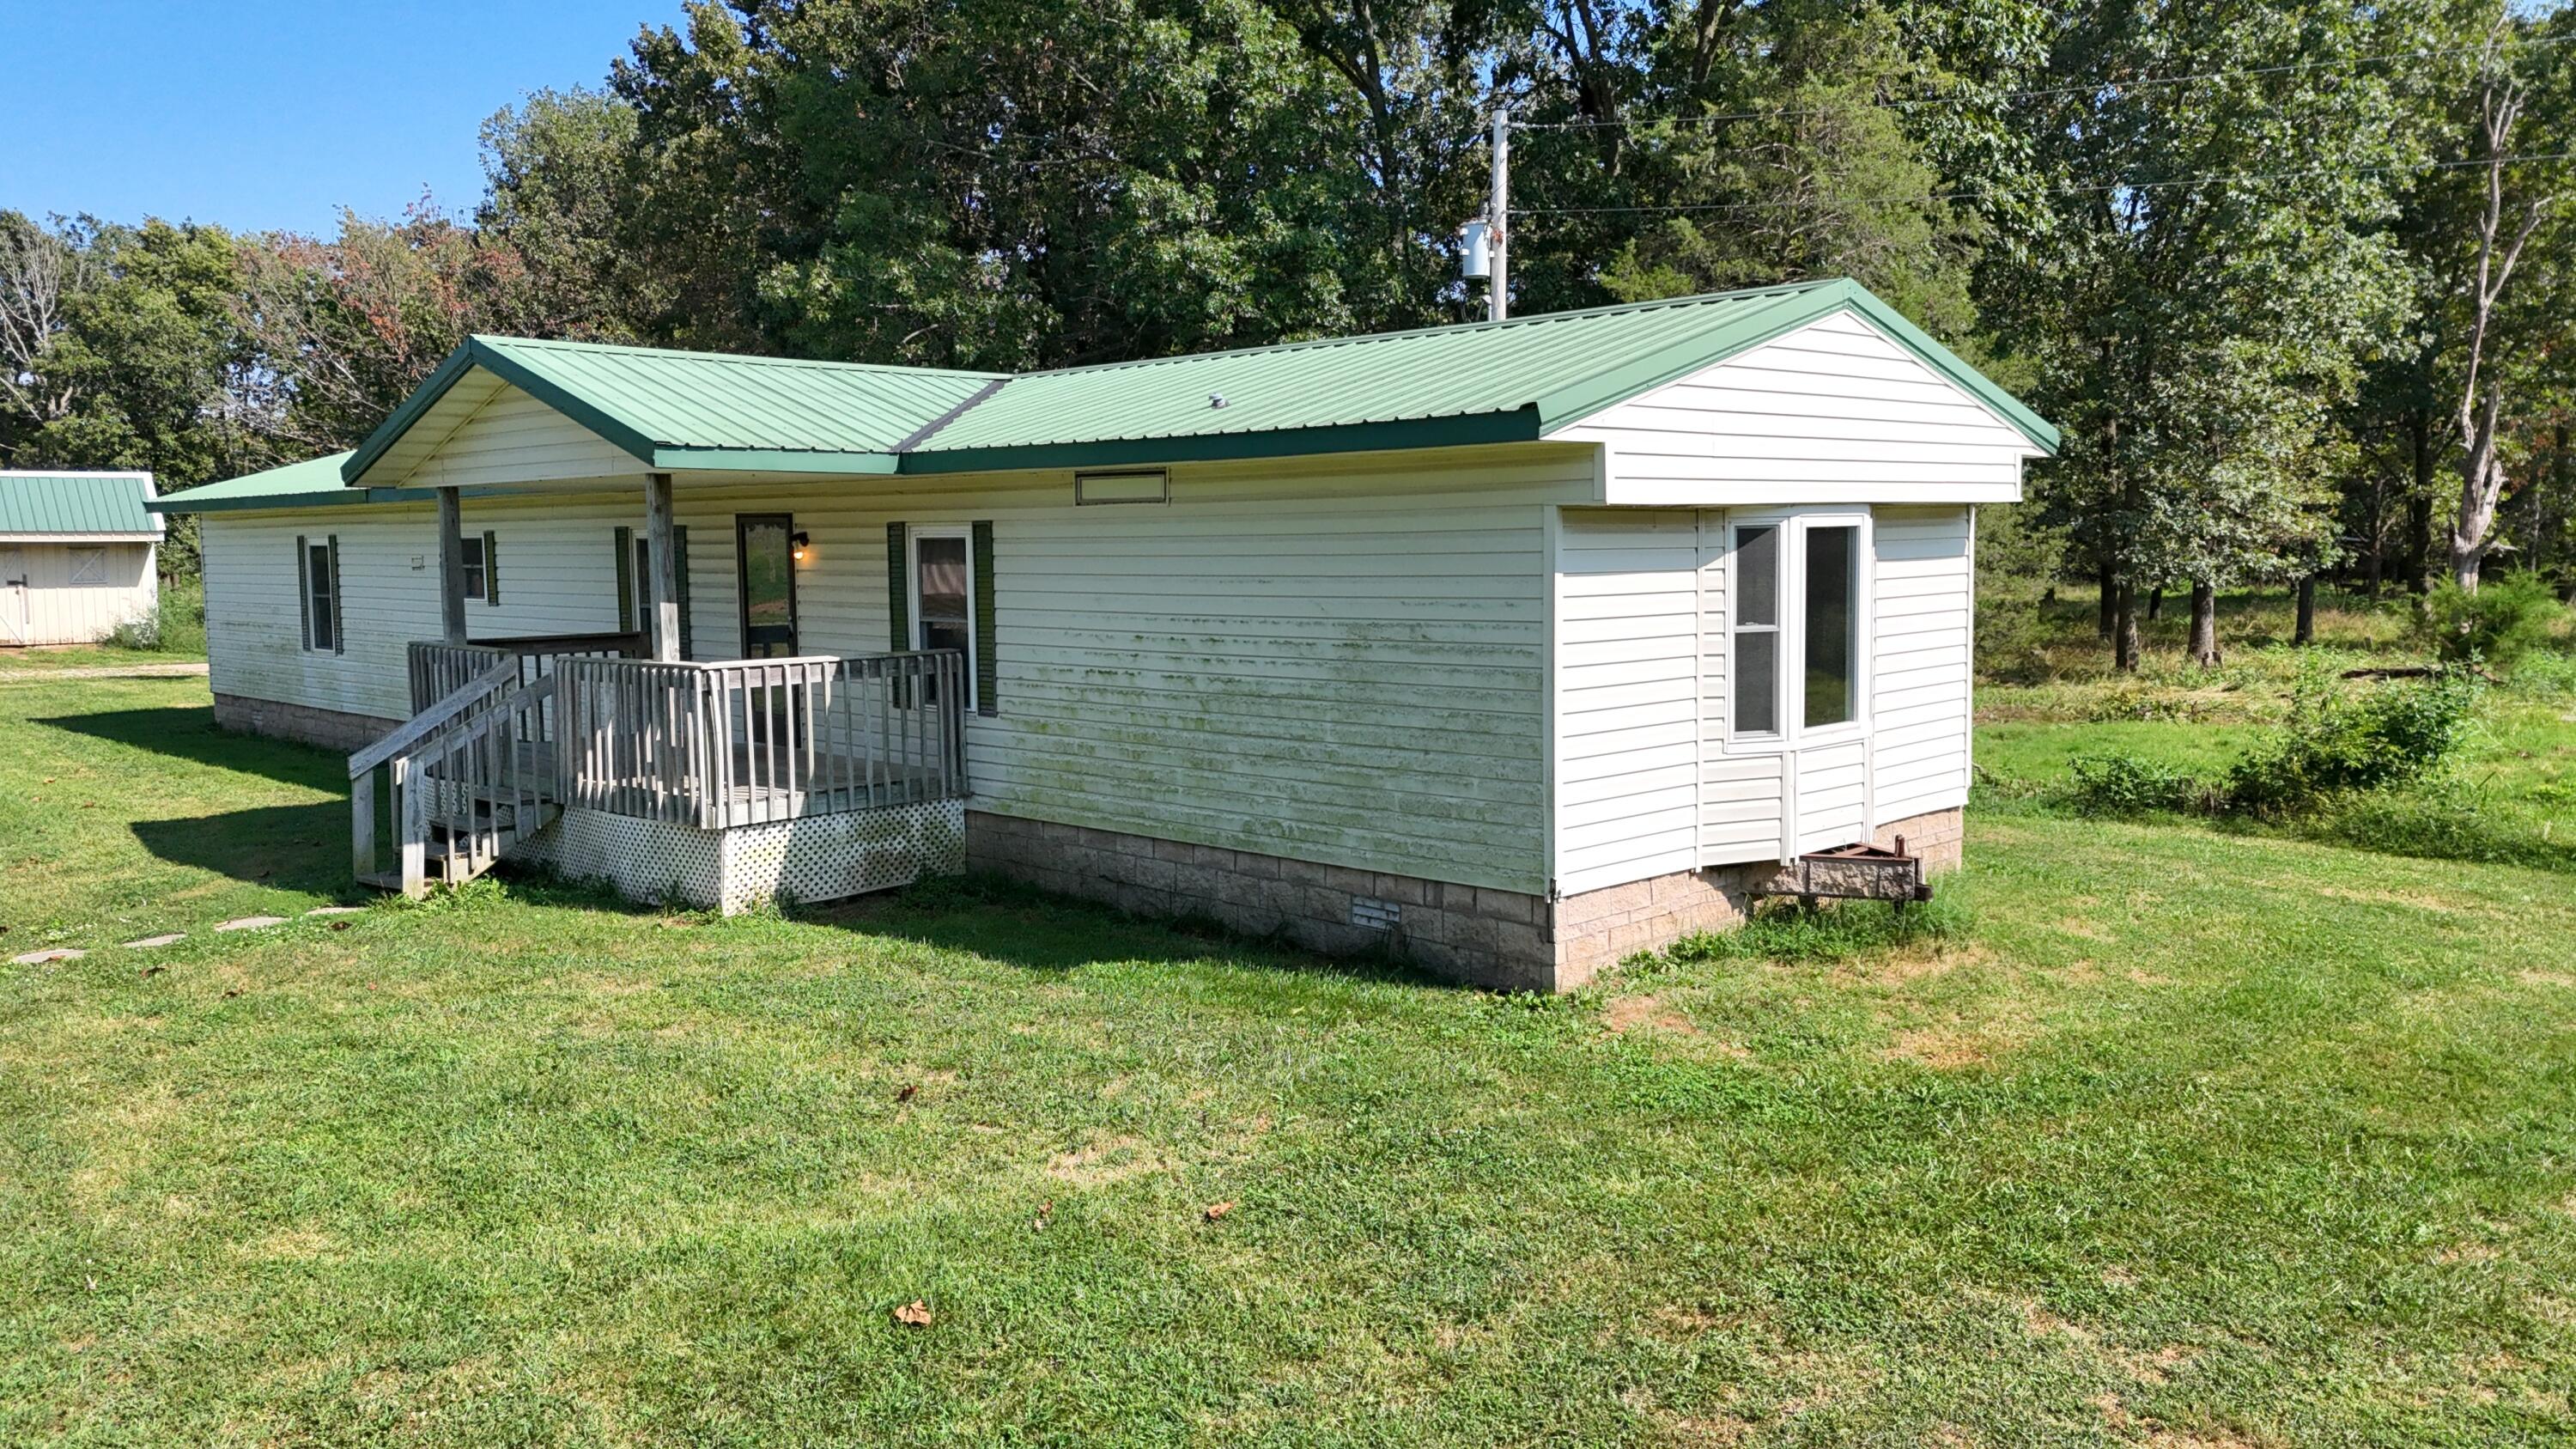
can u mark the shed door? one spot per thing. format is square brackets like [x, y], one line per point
[13, 595]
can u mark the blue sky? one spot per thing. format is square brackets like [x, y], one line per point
[275, 115]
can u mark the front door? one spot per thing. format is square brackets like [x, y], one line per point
[13, 596]
[765, 549]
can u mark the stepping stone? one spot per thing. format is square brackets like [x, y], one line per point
[250, 923]
[40, 958]
[174, 938]
[337, 911]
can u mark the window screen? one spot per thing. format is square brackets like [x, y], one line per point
[322, 606]
[1832, 624]
[1757, 630]
[473, 567]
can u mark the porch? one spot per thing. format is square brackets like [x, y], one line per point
[719, 783]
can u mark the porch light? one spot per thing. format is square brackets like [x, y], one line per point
[797, 544]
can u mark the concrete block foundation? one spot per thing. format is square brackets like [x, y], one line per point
[1506, 940]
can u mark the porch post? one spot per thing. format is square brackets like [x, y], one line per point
[451, 566]
[661, 567]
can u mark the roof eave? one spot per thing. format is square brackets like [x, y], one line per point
[768, 460]
[347, 497]
[1518, 425]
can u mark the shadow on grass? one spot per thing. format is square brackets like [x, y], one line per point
[292, 847]
[1003, 920]
[190, 733]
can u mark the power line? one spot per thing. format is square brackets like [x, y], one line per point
[2204, 179]
[2105, 83]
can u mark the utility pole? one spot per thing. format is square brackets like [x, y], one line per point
[1498, 215]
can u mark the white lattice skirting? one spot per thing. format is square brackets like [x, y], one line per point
[820, 858]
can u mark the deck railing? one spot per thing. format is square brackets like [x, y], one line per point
[748, 741]
[440, 669]
[514, 733]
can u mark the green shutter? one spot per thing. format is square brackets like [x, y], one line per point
[304, 587]
[680, 586]
[987, 666]
[898, 588]
[339, 609]
[626, 581]
[491, 567]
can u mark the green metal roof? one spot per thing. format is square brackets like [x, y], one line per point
[1492, 381]
[76, 503]
[1484, 382]
[297, 485]
[704, 409]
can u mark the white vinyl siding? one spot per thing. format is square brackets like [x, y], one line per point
[1834, 412]
[1628, 696]
[1649, 779]
[1921, 660]
[1339, 661]
[508, 437]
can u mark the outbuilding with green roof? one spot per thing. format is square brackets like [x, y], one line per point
[79, 554]
[1515, 647]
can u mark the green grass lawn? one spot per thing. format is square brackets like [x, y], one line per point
[2177, 1137]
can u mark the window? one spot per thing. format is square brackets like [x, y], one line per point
[473, 567]
[1795, 626]
[317, 572]
[943, 593]
[89, 565]
[1757, 630]
[1832, 633]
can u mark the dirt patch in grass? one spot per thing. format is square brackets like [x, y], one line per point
[1105, 1160]
[1953, 1047]
[2412, 898]
[1627, 1013]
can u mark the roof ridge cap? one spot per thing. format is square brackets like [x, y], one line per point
[1530, 319]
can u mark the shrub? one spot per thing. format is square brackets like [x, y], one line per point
[2133, 785]
[2510, 615]
[2340, 740]
[139, 631]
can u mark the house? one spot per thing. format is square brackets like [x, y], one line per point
[78, 555]
[1520, 646]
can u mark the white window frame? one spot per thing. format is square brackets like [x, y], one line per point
[1789, 681]
[72, 560]
[964, 534]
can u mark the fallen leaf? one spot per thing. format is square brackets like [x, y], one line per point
[906, 1094]
[340, 925]
[231, 991]
[1046, 1210]
[1219, 1209]
[915, 1314]
[154, 970]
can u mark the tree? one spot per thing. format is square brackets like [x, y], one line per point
[2514, 205]
[2212, 269]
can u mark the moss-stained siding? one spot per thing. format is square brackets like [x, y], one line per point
[1337, 661]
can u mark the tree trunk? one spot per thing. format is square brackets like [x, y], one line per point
[2378, 569]
[2204, 625]
[2305, 632]
[2124, 629]
[2155, 603]
[2419, 507]
[2110, 602]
